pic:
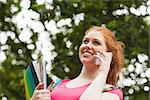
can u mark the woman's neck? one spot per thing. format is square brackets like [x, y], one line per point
[88, 73]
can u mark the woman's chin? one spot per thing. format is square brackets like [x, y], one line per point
[86, 61]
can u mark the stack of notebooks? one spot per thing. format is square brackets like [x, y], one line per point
[33, 75]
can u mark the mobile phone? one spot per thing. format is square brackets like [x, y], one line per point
[97, 61]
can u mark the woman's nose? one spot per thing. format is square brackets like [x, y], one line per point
[88, 46]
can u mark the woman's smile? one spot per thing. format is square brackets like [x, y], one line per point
[87, 52]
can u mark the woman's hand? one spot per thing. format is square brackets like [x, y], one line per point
[40, 93]
[103, 59]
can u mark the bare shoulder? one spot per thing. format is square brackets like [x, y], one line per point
[113, 94]
[109, 96]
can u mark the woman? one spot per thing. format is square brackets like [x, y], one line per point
[102, 58]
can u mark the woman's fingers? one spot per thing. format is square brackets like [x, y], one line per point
[104, 56]
[40, 86]
[42, 91]
[101, 54]
[42, 94]
[45, 96]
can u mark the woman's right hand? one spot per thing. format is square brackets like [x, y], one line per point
[105, 59]
[40, 93]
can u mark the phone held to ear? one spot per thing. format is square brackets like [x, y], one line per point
[108, 55]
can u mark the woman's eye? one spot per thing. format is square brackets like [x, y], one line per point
[97, 43]
[85, 41]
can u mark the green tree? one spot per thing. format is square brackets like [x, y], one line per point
[63, 24]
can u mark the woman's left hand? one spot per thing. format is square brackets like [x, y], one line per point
[103, 59]
[40, 93]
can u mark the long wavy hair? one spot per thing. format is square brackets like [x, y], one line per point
[117, 49]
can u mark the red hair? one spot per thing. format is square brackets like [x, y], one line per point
[117, 48]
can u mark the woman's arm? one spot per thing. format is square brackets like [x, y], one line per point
[94, 91]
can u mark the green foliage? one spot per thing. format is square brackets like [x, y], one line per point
[128, 28]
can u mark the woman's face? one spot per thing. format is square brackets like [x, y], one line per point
[92, 43]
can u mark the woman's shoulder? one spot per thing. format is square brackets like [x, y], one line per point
[114, 90]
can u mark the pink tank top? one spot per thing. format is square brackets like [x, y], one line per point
[61, 92]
